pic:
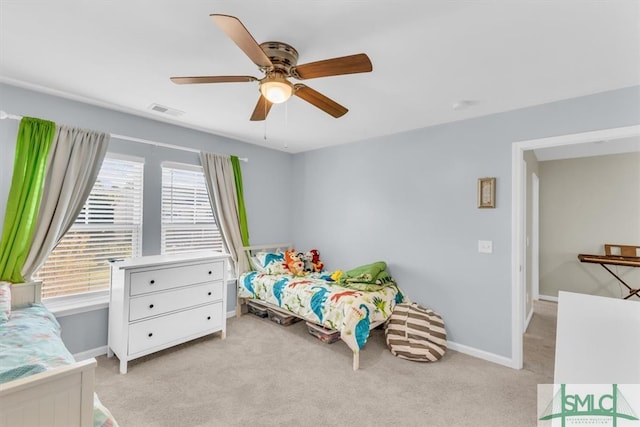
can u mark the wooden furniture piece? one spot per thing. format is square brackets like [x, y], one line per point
[623, 255]
[160, 301]
[63, 394]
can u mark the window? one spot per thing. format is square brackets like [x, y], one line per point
[187, 220]
[109, 226]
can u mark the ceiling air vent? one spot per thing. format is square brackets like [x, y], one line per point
[166, 110]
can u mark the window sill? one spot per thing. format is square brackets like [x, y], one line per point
[76, 304]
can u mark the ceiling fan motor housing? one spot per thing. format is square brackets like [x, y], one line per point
[282, 56]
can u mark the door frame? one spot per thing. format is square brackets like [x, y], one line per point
[531, 243]
[518, 209]
[535, 236]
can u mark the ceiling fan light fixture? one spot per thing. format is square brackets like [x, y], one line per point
[276, 89]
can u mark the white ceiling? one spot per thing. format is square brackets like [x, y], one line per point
[427, 55]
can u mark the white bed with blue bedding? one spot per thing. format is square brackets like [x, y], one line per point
[41, 384]
[350, 307]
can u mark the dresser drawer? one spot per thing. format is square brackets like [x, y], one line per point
[143, 282]
[163, 331]
[154, 304]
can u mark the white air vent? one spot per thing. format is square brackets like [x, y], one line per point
[166, 110]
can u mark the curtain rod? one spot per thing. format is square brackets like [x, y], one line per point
[4, 115]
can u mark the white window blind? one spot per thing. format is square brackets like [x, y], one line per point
[108, 227]
[187, 220]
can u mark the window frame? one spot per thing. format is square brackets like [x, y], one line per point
[189, 168]
[65, 305]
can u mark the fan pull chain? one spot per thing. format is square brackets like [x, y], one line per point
[265, 121]
[286, 120]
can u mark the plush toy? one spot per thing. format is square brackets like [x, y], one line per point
[294, 264]
[336, 275]
[318, 265]
[306, 261]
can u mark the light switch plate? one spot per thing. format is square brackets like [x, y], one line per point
[485, 246]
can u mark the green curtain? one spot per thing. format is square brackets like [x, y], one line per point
[32, 148]
[237, 175]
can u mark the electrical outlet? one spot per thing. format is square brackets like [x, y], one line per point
[485, 246]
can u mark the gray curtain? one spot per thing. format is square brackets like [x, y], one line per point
[74, 161]
[218, 173]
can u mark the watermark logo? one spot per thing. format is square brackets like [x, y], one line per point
[562, 405]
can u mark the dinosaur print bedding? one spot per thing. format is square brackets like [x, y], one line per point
[317, 300]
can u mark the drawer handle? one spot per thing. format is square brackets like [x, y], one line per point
[150, 305]
[209, 272]
[209, 293]
[152, 281]
[208, 317]
[150, 334]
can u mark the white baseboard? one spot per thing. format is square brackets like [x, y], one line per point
[231, 313]
[481, 354]
[94, 352]
[548, 298]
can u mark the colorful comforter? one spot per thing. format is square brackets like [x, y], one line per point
[350, 311]
[30, 343]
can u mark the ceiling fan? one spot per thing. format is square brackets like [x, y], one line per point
[278, 61]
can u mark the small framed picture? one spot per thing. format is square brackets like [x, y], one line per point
[486, 192]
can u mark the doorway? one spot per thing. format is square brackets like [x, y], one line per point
[520, 297]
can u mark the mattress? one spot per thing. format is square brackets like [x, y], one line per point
[323, 302]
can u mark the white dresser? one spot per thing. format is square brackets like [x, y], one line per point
[160, 301]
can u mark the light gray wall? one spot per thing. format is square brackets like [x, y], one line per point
[85, 331]
[268, 211]
[410, 199]
[585, 203]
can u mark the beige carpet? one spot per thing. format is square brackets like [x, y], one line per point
[540, 339]
[268, 375]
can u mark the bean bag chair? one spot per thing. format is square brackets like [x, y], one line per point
[416, 333]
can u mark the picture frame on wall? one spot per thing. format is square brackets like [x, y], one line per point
[487, 192]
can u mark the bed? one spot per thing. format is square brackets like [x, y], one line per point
[41, 384]
[353, 309]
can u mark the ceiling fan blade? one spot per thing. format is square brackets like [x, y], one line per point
[262, 109]
[212, 79]
[317, 99]
[241, 36]
[351, 64]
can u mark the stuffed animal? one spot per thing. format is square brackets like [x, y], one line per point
[318, 265]
[307, 261]
[336, 275]
[294, 264]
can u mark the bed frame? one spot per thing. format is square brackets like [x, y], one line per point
[241, 306]
[60, 397]
[241, 303]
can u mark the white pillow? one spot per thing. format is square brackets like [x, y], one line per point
[269, 263]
